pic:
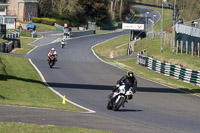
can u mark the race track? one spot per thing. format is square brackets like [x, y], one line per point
[87, 81]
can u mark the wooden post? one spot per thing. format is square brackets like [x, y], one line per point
[177, 47]
[186, 47]
[198, 49]
[192, 48]
[181, 46]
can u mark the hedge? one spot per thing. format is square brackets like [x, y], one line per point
[62, 22]
[36, 20]
[47, 21]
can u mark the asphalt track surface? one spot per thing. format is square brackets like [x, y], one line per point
[87, 81]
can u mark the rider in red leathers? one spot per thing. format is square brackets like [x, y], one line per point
[52, 52]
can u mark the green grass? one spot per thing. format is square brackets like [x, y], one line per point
[24, 33]
[21, 85]
[41, 27]
[24, 47]
[116, 46]
[153, 50]
[18, 127]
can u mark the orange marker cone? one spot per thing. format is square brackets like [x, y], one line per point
[64, 102]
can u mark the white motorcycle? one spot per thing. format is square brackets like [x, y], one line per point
[63, 43]
[119, 98]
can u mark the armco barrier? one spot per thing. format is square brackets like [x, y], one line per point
[81, 33]
[178, 72]
[9, 47]
[13, 35]
[2, 47]
[6, 47]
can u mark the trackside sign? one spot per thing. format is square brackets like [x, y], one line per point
[132, 26]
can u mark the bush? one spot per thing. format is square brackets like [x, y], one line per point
[36, 20]
[48, 21]
[62, 22]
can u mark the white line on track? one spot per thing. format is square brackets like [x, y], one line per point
[61, 96]
[44, 81]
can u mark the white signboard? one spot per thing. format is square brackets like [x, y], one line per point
[132, 26]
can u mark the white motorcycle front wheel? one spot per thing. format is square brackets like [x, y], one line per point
[118, 103]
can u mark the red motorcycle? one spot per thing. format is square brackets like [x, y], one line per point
[51, 59]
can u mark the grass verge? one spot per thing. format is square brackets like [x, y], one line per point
[113, 48]
[17, 127]
[153, 50]
[21, 85]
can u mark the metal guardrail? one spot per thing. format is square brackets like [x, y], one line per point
[13, 35]
[178, 72]
[7, 47]
[58, 26]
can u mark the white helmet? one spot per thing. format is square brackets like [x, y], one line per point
[52, 49]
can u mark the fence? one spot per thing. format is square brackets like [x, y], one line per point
[178, 72]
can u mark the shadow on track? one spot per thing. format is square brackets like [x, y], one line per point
[129, 110]
[80, 86]
[56, 67]
[109, 87]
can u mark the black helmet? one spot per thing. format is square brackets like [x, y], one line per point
[130, 74]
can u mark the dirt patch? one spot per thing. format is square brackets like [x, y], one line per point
[111, 54]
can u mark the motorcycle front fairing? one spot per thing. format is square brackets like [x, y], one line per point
[119, 93]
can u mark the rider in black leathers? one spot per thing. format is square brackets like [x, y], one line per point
[129, 79]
